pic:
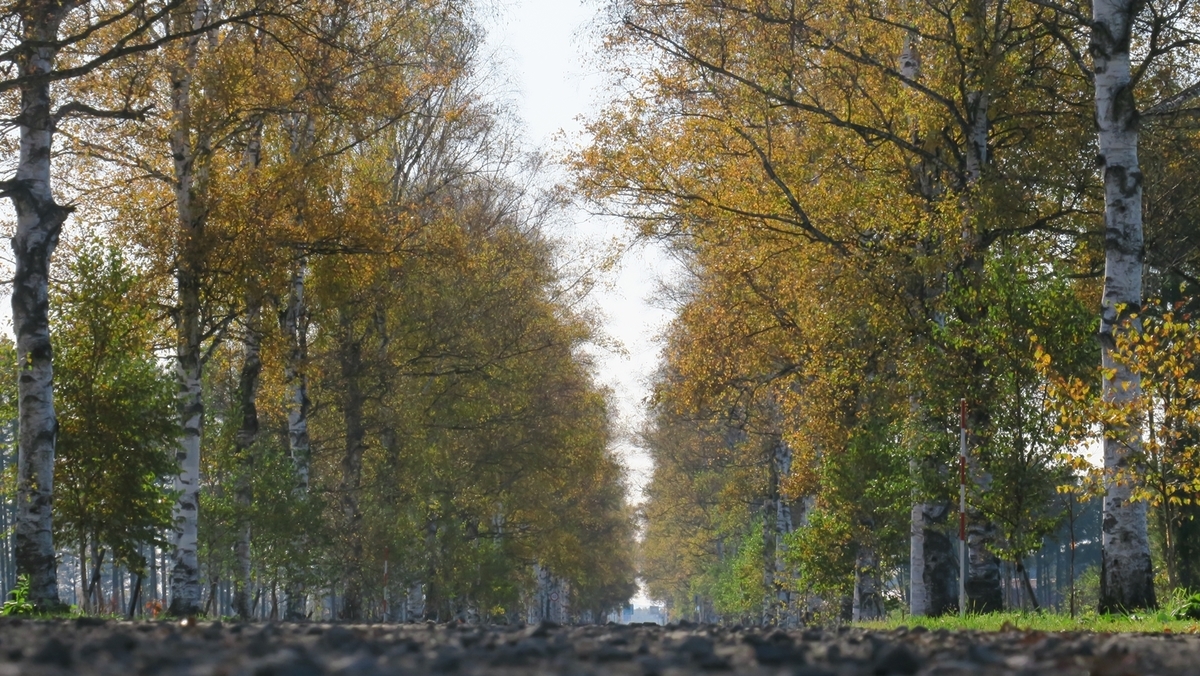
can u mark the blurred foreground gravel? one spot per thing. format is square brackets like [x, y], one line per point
[90, 646]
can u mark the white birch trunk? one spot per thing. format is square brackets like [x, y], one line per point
[294, 324]
[39, 221]
[185, 565]
[983, 567]
[782, 527]
[918, 593]
[1126, 578]
[868, 588]
[295, 327]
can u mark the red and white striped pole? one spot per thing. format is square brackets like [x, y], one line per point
[962, 509]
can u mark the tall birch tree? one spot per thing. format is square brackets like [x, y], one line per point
[36, 35]
[1127, 575]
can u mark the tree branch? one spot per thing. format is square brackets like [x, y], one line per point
[80, 109]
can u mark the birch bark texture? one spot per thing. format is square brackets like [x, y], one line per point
[39, 221]
[1126, 574]
[189, 202]
[294, 324]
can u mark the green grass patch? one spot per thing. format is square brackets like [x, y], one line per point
[1156, 622]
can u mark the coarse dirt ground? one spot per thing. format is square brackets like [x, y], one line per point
[90, 646]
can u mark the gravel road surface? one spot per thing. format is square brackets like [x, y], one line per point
[89, 646]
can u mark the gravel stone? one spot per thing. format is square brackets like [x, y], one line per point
[110, 648]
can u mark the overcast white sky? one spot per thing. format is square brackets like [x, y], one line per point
[545, 48]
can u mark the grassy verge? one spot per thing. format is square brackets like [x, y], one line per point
[1151, 622]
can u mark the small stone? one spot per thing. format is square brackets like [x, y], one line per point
[778, 653]
[696, 646]
[54, 652]
[897, 660]
[541, 629]
[341, 639]
[447, 660]
[983, 655]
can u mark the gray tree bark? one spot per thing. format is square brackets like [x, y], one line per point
[868, 585]
[294, 323]
[39, 221]
[190, 189]
[935, 564]
[983, 567]
[778, 601]
[1126, 577]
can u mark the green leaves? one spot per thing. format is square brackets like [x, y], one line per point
[115, 408]
[18, 601]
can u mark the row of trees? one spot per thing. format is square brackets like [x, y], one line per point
[315, 211]
[883, 208]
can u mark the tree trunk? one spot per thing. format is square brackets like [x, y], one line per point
[39, 221]
[189, 201]
[778, 526]
[353, 401]
[244, 450]
[93, 590]
[934, 568]
[868, 588]
[152, 560]
[83, 576]
[1126, 575]
[918, 593]
[133, 596]
[294, 323]
[1033, 600]
[984, 593]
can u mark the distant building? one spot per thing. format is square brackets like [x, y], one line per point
[652, 614]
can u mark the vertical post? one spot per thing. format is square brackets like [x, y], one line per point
[962, 509]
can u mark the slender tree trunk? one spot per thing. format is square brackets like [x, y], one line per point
[39, 221]
[83, 578]
[1126, 575]
[294, 323]
[1033, 599]
[244, 449]
[93, 591]
[933, 586]
[133, 596]
[153, 561]
[777, 524]
[118, 583]
[353, 401]
[783, 528]
[189, 201]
